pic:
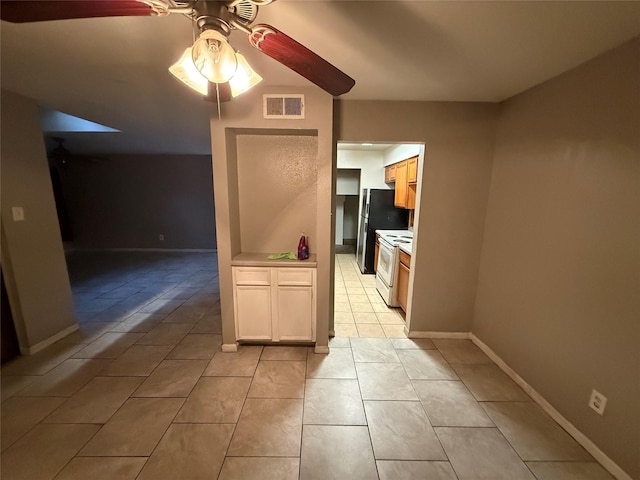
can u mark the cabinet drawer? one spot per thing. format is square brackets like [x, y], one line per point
[252, 276]
[405, 259]
[295, 276]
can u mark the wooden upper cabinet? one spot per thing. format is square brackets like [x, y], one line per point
[412, 170]
[401, 185]
[390, 173]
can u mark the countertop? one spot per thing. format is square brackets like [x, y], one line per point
[250, 259]
[406, 248]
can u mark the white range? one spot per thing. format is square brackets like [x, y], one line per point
[388, 259]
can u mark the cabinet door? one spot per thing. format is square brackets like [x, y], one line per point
[401, 185]
[390, 173]
[253, 312]
[412, 170]
[295, 314]
[403, 286]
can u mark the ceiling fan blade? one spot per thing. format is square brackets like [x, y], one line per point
[23, 11]
[300, 59]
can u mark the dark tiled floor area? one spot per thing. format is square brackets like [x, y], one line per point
[143, 392]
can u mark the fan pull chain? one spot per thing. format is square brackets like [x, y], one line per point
[218, 100]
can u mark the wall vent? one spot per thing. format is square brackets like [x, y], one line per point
[283, 106]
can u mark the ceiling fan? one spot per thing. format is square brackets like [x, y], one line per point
[221, 72]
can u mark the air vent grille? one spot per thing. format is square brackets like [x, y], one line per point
[283, 106]
[246, 10]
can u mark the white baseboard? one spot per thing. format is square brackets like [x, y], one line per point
[229, 347]
[49, 341]
[321, 349]
[456, 335]
[580, 437]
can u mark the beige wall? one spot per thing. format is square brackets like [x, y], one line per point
[452, 197]
[559, 284]
[243, 117]
[277, 178]
[32, 254]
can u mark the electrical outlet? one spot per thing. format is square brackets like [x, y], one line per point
[597, 402]
[161, 237]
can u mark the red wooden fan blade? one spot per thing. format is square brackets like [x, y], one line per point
[22, 11]
[300, 59]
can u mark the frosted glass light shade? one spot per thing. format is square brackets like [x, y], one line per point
[244, 78]
[214, 58]
[185, 71]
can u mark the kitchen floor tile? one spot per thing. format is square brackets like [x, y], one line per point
[11, 385]
[390, 318]
[97, 401]
[54, 446]
[339, 342]
[450, 404]
[215, 400]
[370, 331]
[533, 433]
[488, 383]
[278, 379]
[165, 334]
[360, 318]
[109, 345]
[384, 381]
[200, 346]
[373, 350]
[333, 402]
[426, 365]
[332, 452]
[284, 353]
[460, 351]
[343, 318]
[338, 363]
[342, 307]
[138, 322]
[415, 470]
[138, 361]
[361, 307]
[394, 331]
[172, 378]
[101, 468]
[186, 314]
[242, 363]
[401, 431]
[260, 468]
[21, 414]
[42, 362]
[268, 428]
[345, 330]
[66, 379]
[482, 454]
[193, 451]
[412, 344]
[569, 471]
[135, 429]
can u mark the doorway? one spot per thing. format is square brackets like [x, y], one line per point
[359, 309]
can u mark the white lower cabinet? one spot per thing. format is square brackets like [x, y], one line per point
[275, 304]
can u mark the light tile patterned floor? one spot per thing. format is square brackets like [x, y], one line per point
[360, 311]
[143, 392]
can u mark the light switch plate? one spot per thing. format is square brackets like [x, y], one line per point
[18, 214]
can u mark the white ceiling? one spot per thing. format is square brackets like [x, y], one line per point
[114, 70]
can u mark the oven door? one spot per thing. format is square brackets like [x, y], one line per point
[387, 263]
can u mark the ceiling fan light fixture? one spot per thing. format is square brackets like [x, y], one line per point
[186, 71]
[214, 58]
[244, 78]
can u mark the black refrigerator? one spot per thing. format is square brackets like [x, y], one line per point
[377, 212]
